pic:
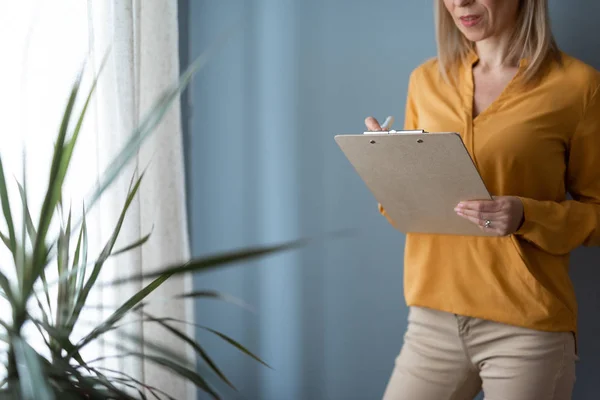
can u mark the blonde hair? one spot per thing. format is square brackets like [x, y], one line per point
[532, 40]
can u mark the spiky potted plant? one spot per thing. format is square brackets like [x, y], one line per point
[65, 374]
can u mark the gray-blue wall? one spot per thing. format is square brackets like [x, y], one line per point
[262, 167]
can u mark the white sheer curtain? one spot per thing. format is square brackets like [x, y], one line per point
[45, 44]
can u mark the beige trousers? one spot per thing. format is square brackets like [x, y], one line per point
[450, 357]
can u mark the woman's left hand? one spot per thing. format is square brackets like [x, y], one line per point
[502, 215]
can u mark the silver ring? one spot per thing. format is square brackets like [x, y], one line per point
[488, 223]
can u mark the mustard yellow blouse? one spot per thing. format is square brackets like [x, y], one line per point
[537, 143]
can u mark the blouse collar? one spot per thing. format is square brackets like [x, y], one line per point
[472, 58]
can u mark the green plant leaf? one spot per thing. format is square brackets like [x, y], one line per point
[153, 390]
[213, 294]
[59, 340]
[129, 384]
[32, 380]
[46, 291]
[21, 256]
[5, 285]
[81, 269]
[86, 386]
[224, 337]
[124, 352]
[70, 145]
[211, 262]
[4, 200]
[28, 220]
[133, 245]
[5, 240]
[64, 298]
[75, 273]
[235, 344]
[53, 193]
[42, 332]
[31, 232]
[121, 312]
[103, 257]
[5, 326]
[103, 380]
[179, 369]
[106, 252]
[196, 346]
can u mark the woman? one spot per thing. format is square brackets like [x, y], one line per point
[499, 313]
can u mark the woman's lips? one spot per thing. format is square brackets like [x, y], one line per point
[470, 20]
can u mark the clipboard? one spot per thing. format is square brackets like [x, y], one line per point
[418, 177]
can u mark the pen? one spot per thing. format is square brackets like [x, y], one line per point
[387, 124]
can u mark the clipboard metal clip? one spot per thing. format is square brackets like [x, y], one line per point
[408, 132]
[393, 131]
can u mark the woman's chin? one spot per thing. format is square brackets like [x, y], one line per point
[474, 36]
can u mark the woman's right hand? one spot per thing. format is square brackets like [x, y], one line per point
[372, 124]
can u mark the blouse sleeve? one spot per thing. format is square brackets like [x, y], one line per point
[560, 227]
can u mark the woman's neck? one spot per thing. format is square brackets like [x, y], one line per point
[493, 51]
